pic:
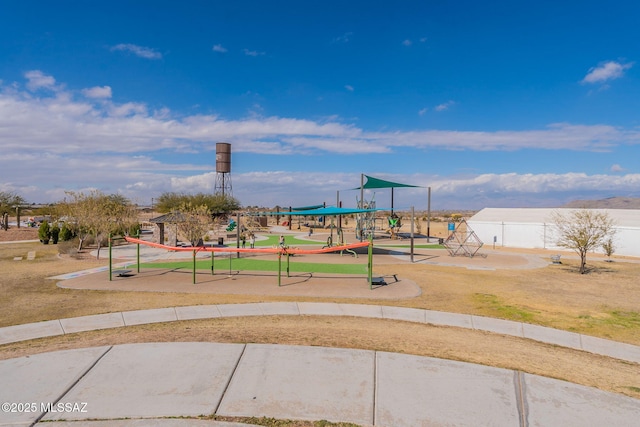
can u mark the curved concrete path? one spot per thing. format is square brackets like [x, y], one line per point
[143, 384]
[146, 383]
[622, 351]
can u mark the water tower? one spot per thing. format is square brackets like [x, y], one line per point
[223, 169]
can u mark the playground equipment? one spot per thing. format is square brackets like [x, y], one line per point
[395, 223]
[366, 221]
[341, 242]
[463, 241]
[279, 250]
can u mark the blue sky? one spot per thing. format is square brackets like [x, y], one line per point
[491, 104]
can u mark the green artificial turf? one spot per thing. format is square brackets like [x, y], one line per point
[253, 264]
[289, 240]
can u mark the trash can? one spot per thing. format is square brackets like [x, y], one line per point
[220, 241]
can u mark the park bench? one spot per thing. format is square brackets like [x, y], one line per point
[121, 272]
[380, 281]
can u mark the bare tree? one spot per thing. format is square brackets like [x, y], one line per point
[582, 231]
[196, 223]
[96, 214]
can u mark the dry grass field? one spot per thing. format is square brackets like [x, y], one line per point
[603, 303]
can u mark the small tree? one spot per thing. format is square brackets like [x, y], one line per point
[96, 214]
[197, 221]
[55, 234]
[418, 224]
[582, 231]
[608, 248]
[44, 232]
[217, 204]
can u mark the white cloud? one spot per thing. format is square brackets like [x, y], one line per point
[36, 79]
[349, 88]
[423, 111]
[253, 52]
[127, 109]
[118, 147]
[617, 168]
[606, 71]
[444, 106]
[141, 51]
[345, 38]
[406, 42]
[97, 92]
[63, 124]
[219, 48]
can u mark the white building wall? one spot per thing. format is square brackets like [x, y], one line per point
[540, 235]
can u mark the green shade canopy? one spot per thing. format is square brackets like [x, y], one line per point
[306, 208]
[328, 211]
[373, 183]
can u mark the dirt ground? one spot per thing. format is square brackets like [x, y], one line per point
[603, 303]
[22, 233]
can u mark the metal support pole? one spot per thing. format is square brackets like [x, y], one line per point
[428, 213]
[110, 259]
[194, 266]
[361, 215]
[412, 224]
[212, 272]
[138, 251]
[237, 234]
[288, 265]
[279, 268]
[370, 263]
[391, 201]
[338, 206]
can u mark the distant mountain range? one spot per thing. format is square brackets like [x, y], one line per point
[609, 203]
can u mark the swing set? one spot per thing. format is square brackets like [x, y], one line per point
[279, 250]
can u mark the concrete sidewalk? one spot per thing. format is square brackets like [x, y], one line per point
[143, 384]
[622, 351]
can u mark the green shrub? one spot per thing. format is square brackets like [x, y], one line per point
[44, 232]
[65, 233]
[55, 233]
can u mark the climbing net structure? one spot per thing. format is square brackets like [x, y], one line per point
[366, 220]
[463, 241]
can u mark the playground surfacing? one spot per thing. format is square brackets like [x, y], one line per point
[228, 280]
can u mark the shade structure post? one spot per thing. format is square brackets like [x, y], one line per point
[360, 216]
[212, 272]
[370, 263]
[412, 223]
[279, 268]
[238, 233]
[194, 266]
[288, 265]
[138, 250]
[428, 213]
[338, 206]
[391, 201]
[110, 259]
